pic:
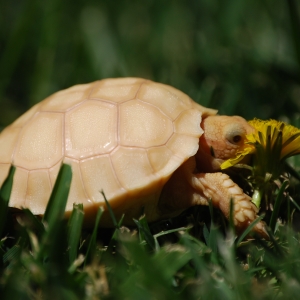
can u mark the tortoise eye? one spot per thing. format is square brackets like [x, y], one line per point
[234, 133]
[236, 139]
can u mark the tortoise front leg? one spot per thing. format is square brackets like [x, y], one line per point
[220, 189]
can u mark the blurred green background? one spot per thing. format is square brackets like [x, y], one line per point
[240, 56]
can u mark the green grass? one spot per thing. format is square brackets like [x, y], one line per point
[54, 258]
[239, 56]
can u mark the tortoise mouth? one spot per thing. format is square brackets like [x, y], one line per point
[206, 162]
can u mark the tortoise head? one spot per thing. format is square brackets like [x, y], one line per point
[223, 136]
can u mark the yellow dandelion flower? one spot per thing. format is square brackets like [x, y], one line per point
[272, 139]
[239, 156]
[271, 144]
[268, 132]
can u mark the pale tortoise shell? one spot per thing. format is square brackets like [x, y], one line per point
[124, 136]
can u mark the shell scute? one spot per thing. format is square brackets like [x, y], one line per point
[19, 189]
[133, 168]
[116, 90]
[22, 120]
[77, 193]
[185, 123]
[38, 190]
[53, 172]
[164, 99]
[91, 129]
[40, 143]
[183, 146]
[143, 125]
[8, 140]
[100, 167]
[163, 160]
[66, 99]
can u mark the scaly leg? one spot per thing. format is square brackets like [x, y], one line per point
[220, 189]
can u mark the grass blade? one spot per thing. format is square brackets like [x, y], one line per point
[291, 171]
[54, 215]
[145, 233]
[93, 241]
[12, 254]
[59, 196]
[112, 215]
[74, 231]
[33, 222]
[277, 204]
[248, 230]
[212, 237]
